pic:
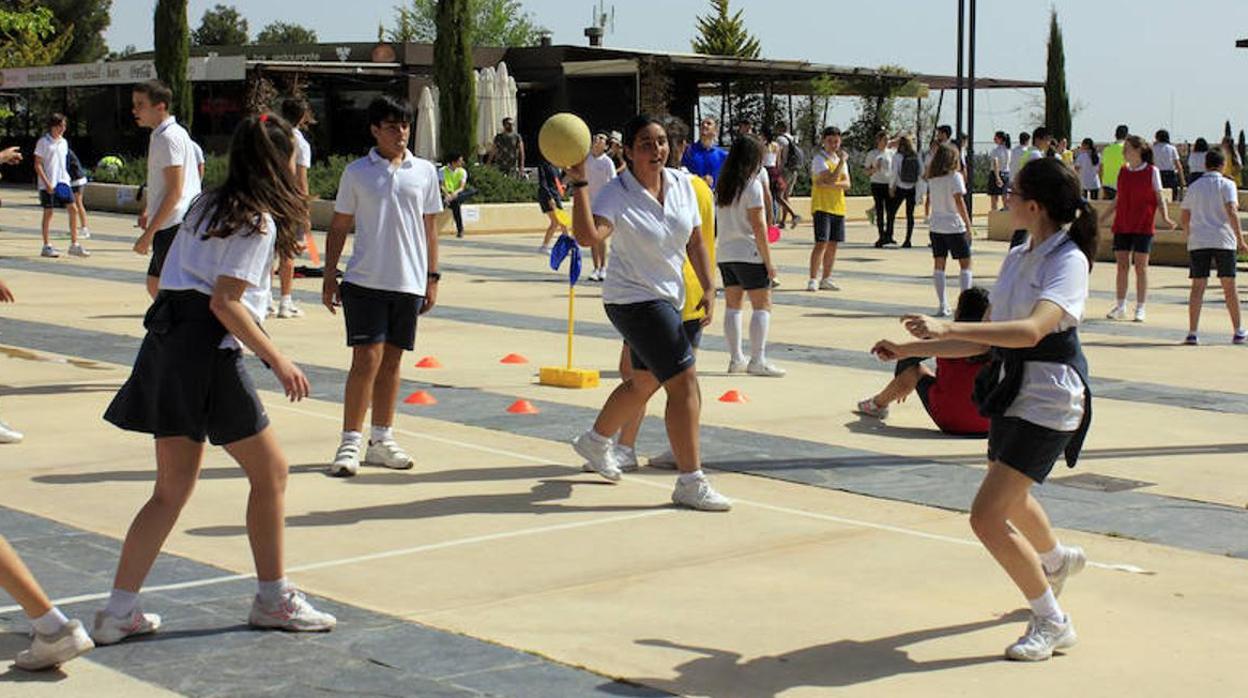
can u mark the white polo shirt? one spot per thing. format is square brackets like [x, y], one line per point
[55, 154]
[389, 203]
[171, 146]
[734, 236]
[882, 161]
[303, 150]
[1165, 156]
[1002, 156]
[1196, 161]
[945, 218]
[598, 171]
[1056, 271]
[1207, 198]
[649, 238]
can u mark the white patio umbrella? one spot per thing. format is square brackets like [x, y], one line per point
[502, 93]
[427, 126]
[486, 112]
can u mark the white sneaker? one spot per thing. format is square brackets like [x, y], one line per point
[664, 461]
[292, 613]
[812, 285]
[827, 284]
[9, 435]
[49, 251]
[1073, 562]
[51, 651]
[346, 460]
[600, 454]
[1042, 638]
[288, 309]
[700, 495]
[869, 408]
[765, 368]
[272, 309]
[944, 311]
[84, 234]
[1116, 313]
[1139, 313]
[110, 629]
[625, 458]
[738, 366]
[388, 454]
[543, 250]
[78, 251]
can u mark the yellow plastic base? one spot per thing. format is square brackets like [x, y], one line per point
[568, 377]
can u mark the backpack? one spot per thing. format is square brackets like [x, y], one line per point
[910, 167]
[73, 166]
[794, 158]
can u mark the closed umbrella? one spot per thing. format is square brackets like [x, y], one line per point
[487, 112]
[426, 126]
[502, 93]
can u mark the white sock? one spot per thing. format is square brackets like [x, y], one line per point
[352, 437]
[1139, 306]
[121, 603]
[270, 592]
[732, 333]
[938, 279]
[1046, 606]
[690, 478]
[49, 622]
[598, 438]
[965, 279]
[287, 299]
[760, 322]
[380, 434]
[1052, 560]
[1122, 303]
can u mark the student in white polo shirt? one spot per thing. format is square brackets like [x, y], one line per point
[52, 176]
[599, 169]
[297, 112]
[172, 175]
[391, 198]
[1211, 218]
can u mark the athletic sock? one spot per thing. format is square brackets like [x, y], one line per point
[1121, 305]
[121, 603]
[965, 279]
[380, 434]
[1046, 606]
[690, 478]
[760, 323]
[287, 299]
[352, 437]
[938, 280]
[49, 622]
[271, 592]
[1053, 559]
[732, 333]
[599, 438]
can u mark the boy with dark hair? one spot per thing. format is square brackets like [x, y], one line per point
[1211, 218]
[52, 177]
[391, 198]
[1112, 161]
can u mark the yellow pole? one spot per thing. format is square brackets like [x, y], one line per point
[571, 300]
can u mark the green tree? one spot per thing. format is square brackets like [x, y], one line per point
[173, 46]
[86, 20]
[286, 33]
[1056, 101]
[722, 33]
[28, 36]
[221, 26]
[457, 86]
[494, 23]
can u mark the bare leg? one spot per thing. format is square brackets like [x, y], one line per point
[551, 229]
[82, 211]
[1002, 496]
[684, 406]
[1122, 259]
[628, 398]
[47, 225]
[286, 275]
[1195, 300]
[386, 386]
[72, 209]
[261, 458]
[177, 467]
[816, 258]
[829, 258]
[1232, 301]
[1141, 277]
[599, 253]
[365, 363]
[900, 387]
[1031, 521]
[631, 428]
[16, 579]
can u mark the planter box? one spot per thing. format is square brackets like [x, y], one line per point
[118, 198]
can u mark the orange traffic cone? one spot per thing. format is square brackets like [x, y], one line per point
[309, 242]
[733, 396]
[429, 362]
[420, 397]
[522, 407]
[513, 359]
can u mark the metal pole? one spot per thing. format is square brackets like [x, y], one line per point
[970, 121]
[961, 52]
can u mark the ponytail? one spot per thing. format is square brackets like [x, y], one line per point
[1085, 229]
[1055, 187]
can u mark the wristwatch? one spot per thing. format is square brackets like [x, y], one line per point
[436, 276]
[577, 185]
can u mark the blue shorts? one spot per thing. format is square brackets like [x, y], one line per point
[656, 337]
[829, 227]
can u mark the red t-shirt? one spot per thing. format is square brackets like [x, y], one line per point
[949, 399]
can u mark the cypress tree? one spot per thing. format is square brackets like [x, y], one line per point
[1056, 100]
[457, 84]
[173, 47]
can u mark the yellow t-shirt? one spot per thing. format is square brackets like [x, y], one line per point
[693, 287]
[827, 199]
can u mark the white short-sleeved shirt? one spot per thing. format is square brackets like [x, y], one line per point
[389, 203]
[199, 154]
[1089, 179]
[1016, 156]
[1165, 156]
[194, 263]
[303, 150]
[171, 146]
[734, 236]
[1156, 174]
[942, 190]
[823, 161]
[649, 238]
[770, 153]
[1196, 161]
[1002, 155]
[1056, 270]
[599, 170]
[1207, 198]
[882, 160]
[54, 153]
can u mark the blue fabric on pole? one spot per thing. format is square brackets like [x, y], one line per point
[565, 246]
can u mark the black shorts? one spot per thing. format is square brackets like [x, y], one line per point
[374, 316]
[1139, 243]
[1202, 260]
[1193, 177]
[1026, 447]
[1169, 179]
[1111, 193]
[656, 338]
[161, 242]
[548, 204]
[829, 227]
[47, 200]
[951, 244]
[183, 383]
[747, 275]
[995, 189]
[693, 331]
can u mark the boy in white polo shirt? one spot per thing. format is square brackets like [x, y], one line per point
[1211, 218]
[391, 198]
[172, 175]
[52, 174]
[296, 111]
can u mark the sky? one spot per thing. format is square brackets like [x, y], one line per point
[1148, 63]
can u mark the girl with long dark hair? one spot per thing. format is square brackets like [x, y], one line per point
[1138, 201]
[999, 177]
[1087, 164]
[907, 174]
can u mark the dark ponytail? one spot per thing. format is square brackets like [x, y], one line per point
[1146, 150]
[1055, 187]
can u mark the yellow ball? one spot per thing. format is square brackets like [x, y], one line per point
[564, 140]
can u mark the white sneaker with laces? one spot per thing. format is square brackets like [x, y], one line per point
[869, 408]
[78, 251]
[664, 461]
[1140, 316]
[49, 251]
[812, 285]
[1116, 313]
[292, 613]
[1073, 562]
[827, 284]
[288, 309]
[9, 435]
[109, 630]
[765, 368]
[1043, 637]
[738, 365]
[943, 311]
[625, 458]
[51, 651]
[388, 454]
[700, 495]
[346, 460]
[599, 453]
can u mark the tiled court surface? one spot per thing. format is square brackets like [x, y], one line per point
[496, 567]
